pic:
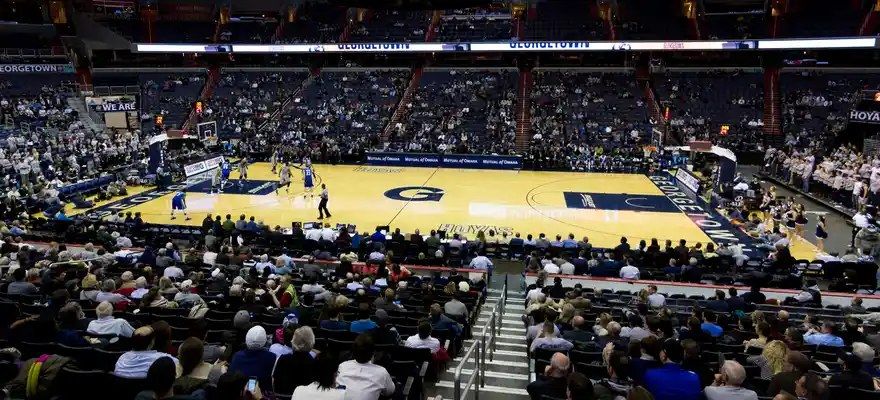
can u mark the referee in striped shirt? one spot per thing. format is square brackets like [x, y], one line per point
[322, 206]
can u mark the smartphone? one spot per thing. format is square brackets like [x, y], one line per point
[251, 385]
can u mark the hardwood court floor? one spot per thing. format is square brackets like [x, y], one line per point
[602, 206]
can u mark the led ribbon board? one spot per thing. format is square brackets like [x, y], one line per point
[520, 47]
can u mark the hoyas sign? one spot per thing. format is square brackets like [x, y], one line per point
[868, 117]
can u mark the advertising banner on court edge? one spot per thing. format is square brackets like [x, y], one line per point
[444, 160]
[202, 166]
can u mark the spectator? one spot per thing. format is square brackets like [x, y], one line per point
[796, 365]
[19, 286]
[105, 324]
[423, 340]
[811, 387]
[852, 375]
[136, 362]
[655, 299]
[617, 385]
[195, 373]
[670, 381]
[555, 381]
[362, 379]
[255, 360]
[298, 368]
[772, 358]
[160, 380]
[578, 334]
[455, 308]
[323, 386]
[549, 341]
[866, 353]
[728, 384]
[579, 387]
[825, 336]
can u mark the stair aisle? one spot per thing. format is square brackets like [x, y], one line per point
[79, 105]
[507, 374]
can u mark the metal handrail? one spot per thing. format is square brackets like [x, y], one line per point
[460, 393]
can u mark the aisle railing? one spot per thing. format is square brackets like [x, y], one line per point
[460, 392]
[483, 345]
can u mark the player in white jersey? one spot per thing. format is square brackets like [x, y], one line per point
[284, 179]
[242, 172]
[215, 181]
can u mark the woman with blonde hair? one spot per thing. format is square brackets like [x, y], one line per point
[772, 358]
[567, 314]
[601, 327]
[166, 286]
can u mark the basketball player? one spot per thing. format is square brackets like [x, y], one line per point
[273, 159]
[215, 181]
[242, 171]
[284, 179]
[322, 206]
[178, 202]
[308, 179]
[225, 169]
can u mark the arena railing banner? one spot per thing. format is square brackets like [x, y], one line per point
[105, 104]
[516, 46]
[36, 69]
[443, 160]
[202, 166]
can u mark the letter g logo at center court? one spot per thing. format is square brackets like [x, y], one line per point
[415, 193]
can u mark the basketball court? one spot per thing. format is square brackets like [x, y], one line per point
[601, 206]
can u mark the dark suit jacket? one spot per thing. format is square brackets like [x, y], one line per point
[553, 387]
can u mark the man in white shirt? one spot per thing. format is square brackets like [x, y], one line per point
[107, 325]
[328, 234]
[566, 267]
[173, 272]
[136, 363]
[481, 262]
[209, 257]
[551, 268]
[535, 294]
[629, 272]
[362, 379]
[313, 234]
[423, 340]
[655, 299]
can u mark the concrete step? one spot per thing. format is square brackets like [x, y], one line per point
[490, 389]
[501, 344]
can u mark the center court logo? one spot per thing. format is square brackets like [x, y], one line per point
[415, 193]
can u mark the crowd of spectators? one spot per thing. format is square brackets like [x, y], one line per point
[702, 103]
[475, 25]
[459, 111]
[619, 344]
[216, 309]
[587, 122]
[169, 96]
[243, 101]
[392, 26]
[340, 114]
[47, 148]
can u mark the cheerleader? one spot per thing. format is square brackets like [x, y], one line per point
[821, 233]
[790, 225]
[800, 223]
